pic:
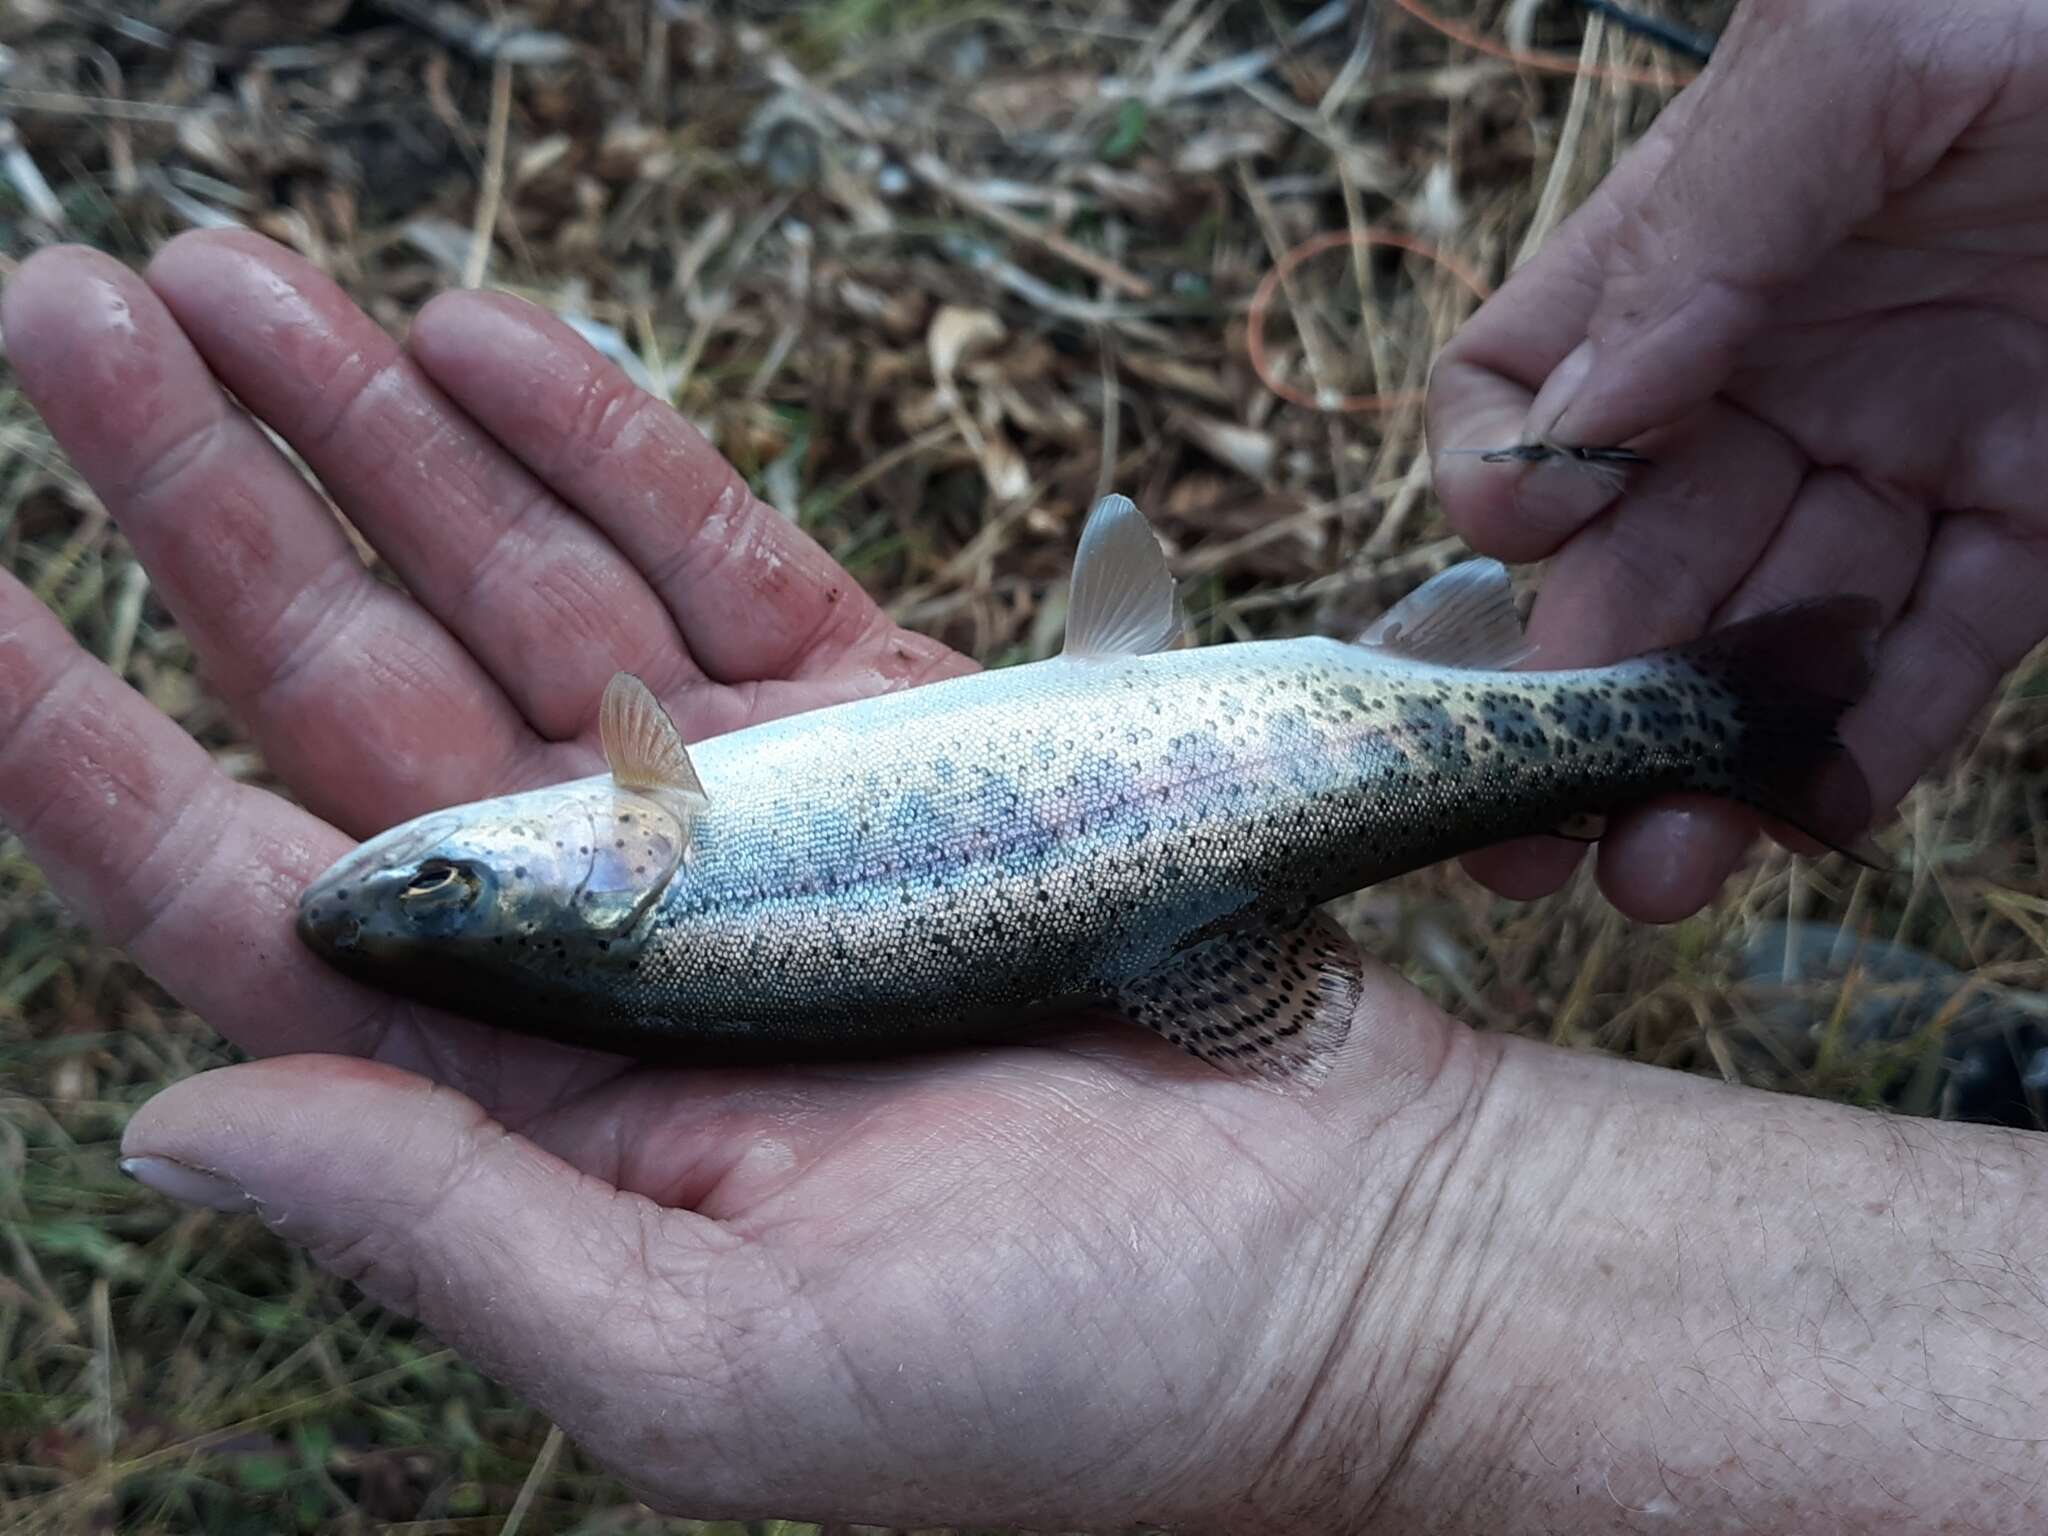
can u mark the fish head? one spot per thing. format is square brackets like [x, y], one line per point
[504, 891]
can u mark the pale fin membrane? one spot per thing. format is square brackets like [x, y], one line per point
[1122, 601]
[1272, 1002]
[1462, 617]
[643, 746]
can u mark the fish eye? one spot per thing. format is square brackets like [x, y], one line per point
[440, 880]
[430, 876]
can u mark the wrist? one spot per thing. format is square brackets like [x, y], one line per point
[1627, 1292]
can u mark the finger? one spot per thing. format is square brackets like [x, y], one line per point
[1483, 386]
[1650, 572]
[1733, 219]
[1642, 305]
[1974, 613]
[359, 700]
[1843, 535]
[595, 1305]
[162, 854]
[540, 598]
[1665, 862]
[755, 597]
[1525, 868]
[198, 877]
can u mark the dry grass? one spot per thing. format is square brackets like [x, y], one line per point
[934, 275]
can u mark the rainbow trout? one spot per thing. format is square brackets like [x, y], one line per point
[1128, 826]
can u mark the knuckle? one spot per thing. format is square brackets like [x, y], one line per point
[705, 543]
[306, 630]
[348, 395]
[605, 409]
[187, 451]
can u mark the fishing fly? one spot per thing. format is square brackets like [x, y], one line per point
[1610, 466]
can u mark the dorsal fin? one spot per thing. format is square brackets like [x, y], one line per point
[642, 745]
[1122, 602]
[1462, 617]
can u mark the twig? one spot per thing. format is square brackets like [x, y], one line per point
[536, 1479]
[494, 177]
[1548, 63]
[1551, 203]
[499, 41]
[1235, 71]
[27, 177]
[72, 104]
[937, 175]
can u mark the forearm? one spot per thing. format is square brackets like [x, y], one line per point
[1665, 1299]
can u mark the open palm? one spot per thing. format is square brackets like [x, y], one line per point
[613, 539]
[963, 1286]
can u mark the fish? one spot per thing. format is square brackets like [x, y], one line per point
[1135, 826]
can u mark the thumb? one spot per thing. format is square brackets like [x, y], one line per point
[411, 1191]
[1811, 116]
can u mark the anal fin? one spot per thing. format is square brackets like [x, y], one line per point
[1271, 1002]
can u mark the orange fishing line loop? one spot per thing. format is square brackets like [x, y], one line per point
[1308, 250]
[1549, 63]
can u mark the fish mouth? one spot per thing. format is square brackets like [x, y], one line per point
[332, 908]
[328, 927]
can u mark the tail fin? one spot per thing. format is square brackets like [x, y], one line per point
[1795, 671]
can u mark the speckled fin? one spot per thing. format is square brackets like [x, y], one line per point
[642, 745]
[1266, 1002]
[1122, 602]
[1463, 617]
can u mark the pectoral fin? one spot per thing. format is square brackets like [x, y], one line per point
[1271, 1002]
[643, 746]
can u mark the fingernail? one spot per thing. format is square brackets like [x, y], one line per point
[186, 1184]
[1547, 410]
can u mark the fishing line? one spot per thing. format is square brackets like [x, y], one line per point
[1544, 60]
[1694, 45]
[1269, 285]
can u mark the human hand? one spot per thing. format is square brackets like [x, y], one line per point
[1077, 1279]
[1817, 295]
[1079, 1282]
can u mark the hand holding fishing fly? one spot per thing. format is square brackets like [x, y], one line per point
[1814, 295]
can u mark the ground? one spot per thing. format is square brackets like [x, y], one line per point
[934, 275]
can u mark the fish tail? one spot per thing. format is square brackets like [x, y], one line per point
[1793, 673]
